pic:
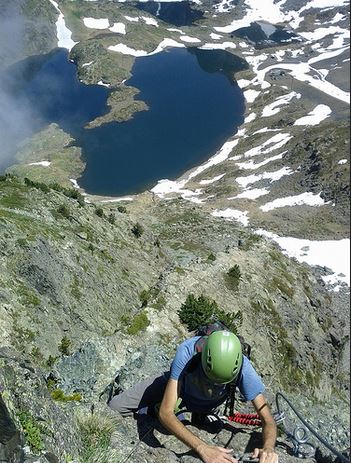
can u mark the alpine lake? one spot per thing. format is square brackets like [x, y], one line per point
[194, 106]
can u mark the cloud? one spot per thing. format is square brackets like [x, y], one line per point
[17, 118]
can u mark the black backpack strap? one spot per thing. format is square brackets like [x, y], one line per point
[229, 405]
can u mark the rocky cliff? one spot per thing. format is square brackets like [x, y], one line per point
[89, 291]
[91, 287]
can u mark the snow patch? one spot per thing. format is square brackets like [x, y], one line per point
[251, 194]
[274, 108]
[251, 117]
[64, 35]
[233, 214]
[215, 36]
[74, 183]
[211, 180]
[251, 95]
[118, 28]
[40, 163]
[218, 46]
[251, 165]
[186, 38]
[315, 117]
[329, 253]
[308, 199]
[93, 23]
[272, 176]
[150, 21]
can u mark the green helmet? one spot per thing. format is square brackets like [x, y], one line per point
[222, 357]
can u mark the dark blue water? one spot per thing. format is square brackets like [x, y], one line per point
[175, 13]
[264, 35]
[194, 108]
[191, 114]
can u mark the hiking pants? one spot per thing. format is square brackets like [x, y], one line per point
[147, 393]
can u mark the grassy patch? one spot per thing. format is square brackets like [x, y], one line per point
[32, 431]
[139, 323]
[281, 285]
[246, 244]
[14, 200]
[75, 288]
[284, 352]
[27, 296]
[95, 432]
[60, 396]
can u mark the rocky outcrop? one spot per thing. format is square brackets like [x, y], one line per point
[84, 300]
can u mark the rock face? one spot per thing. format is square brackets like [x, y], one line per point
[83, 301]
[90, 290]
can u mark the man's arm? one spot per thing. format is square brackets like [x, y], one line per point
[208, 453]
[269, 432]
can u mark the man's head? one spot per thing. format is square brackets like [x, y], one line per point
[222, 357]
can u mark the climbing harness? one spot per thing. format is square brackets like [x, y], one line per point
[299, 436]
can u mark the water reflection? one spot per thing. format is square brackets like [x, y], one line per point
[176, 13]
[263, 34]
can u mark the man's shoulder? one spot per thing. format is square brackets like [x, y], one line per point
[188, 344]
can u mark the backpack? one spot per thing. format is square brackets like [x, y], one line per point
[204, 331]
[209, 328]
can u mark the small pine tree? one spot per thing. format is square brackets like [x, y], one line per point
[112, 219]
[137, 230]
[144, 297]
[99, 212]
[64, 346]
[196, 312]
[64, 211]
[233, 277]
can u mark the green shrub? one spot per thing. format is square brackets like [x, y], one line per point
[144, 297]
[64, 346]
[211, 257]
[51, 361]
[39, 185]
[233, 277]
[36, 353]
[59, 395]
[32, 431]
[69, 193]
[99, 212]
[122, 209]
[112, 219]
[137, 230]
[64, 211]
[139, 323]
[160, 303]
[196, 312]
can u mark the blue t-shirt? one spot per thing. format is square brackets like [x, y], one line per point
[249, 383]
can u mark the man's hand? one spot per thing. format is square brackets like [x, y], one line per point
[265, 455]
[212, 454]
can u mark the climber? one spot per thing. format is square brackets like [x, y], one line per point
[201, 381]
